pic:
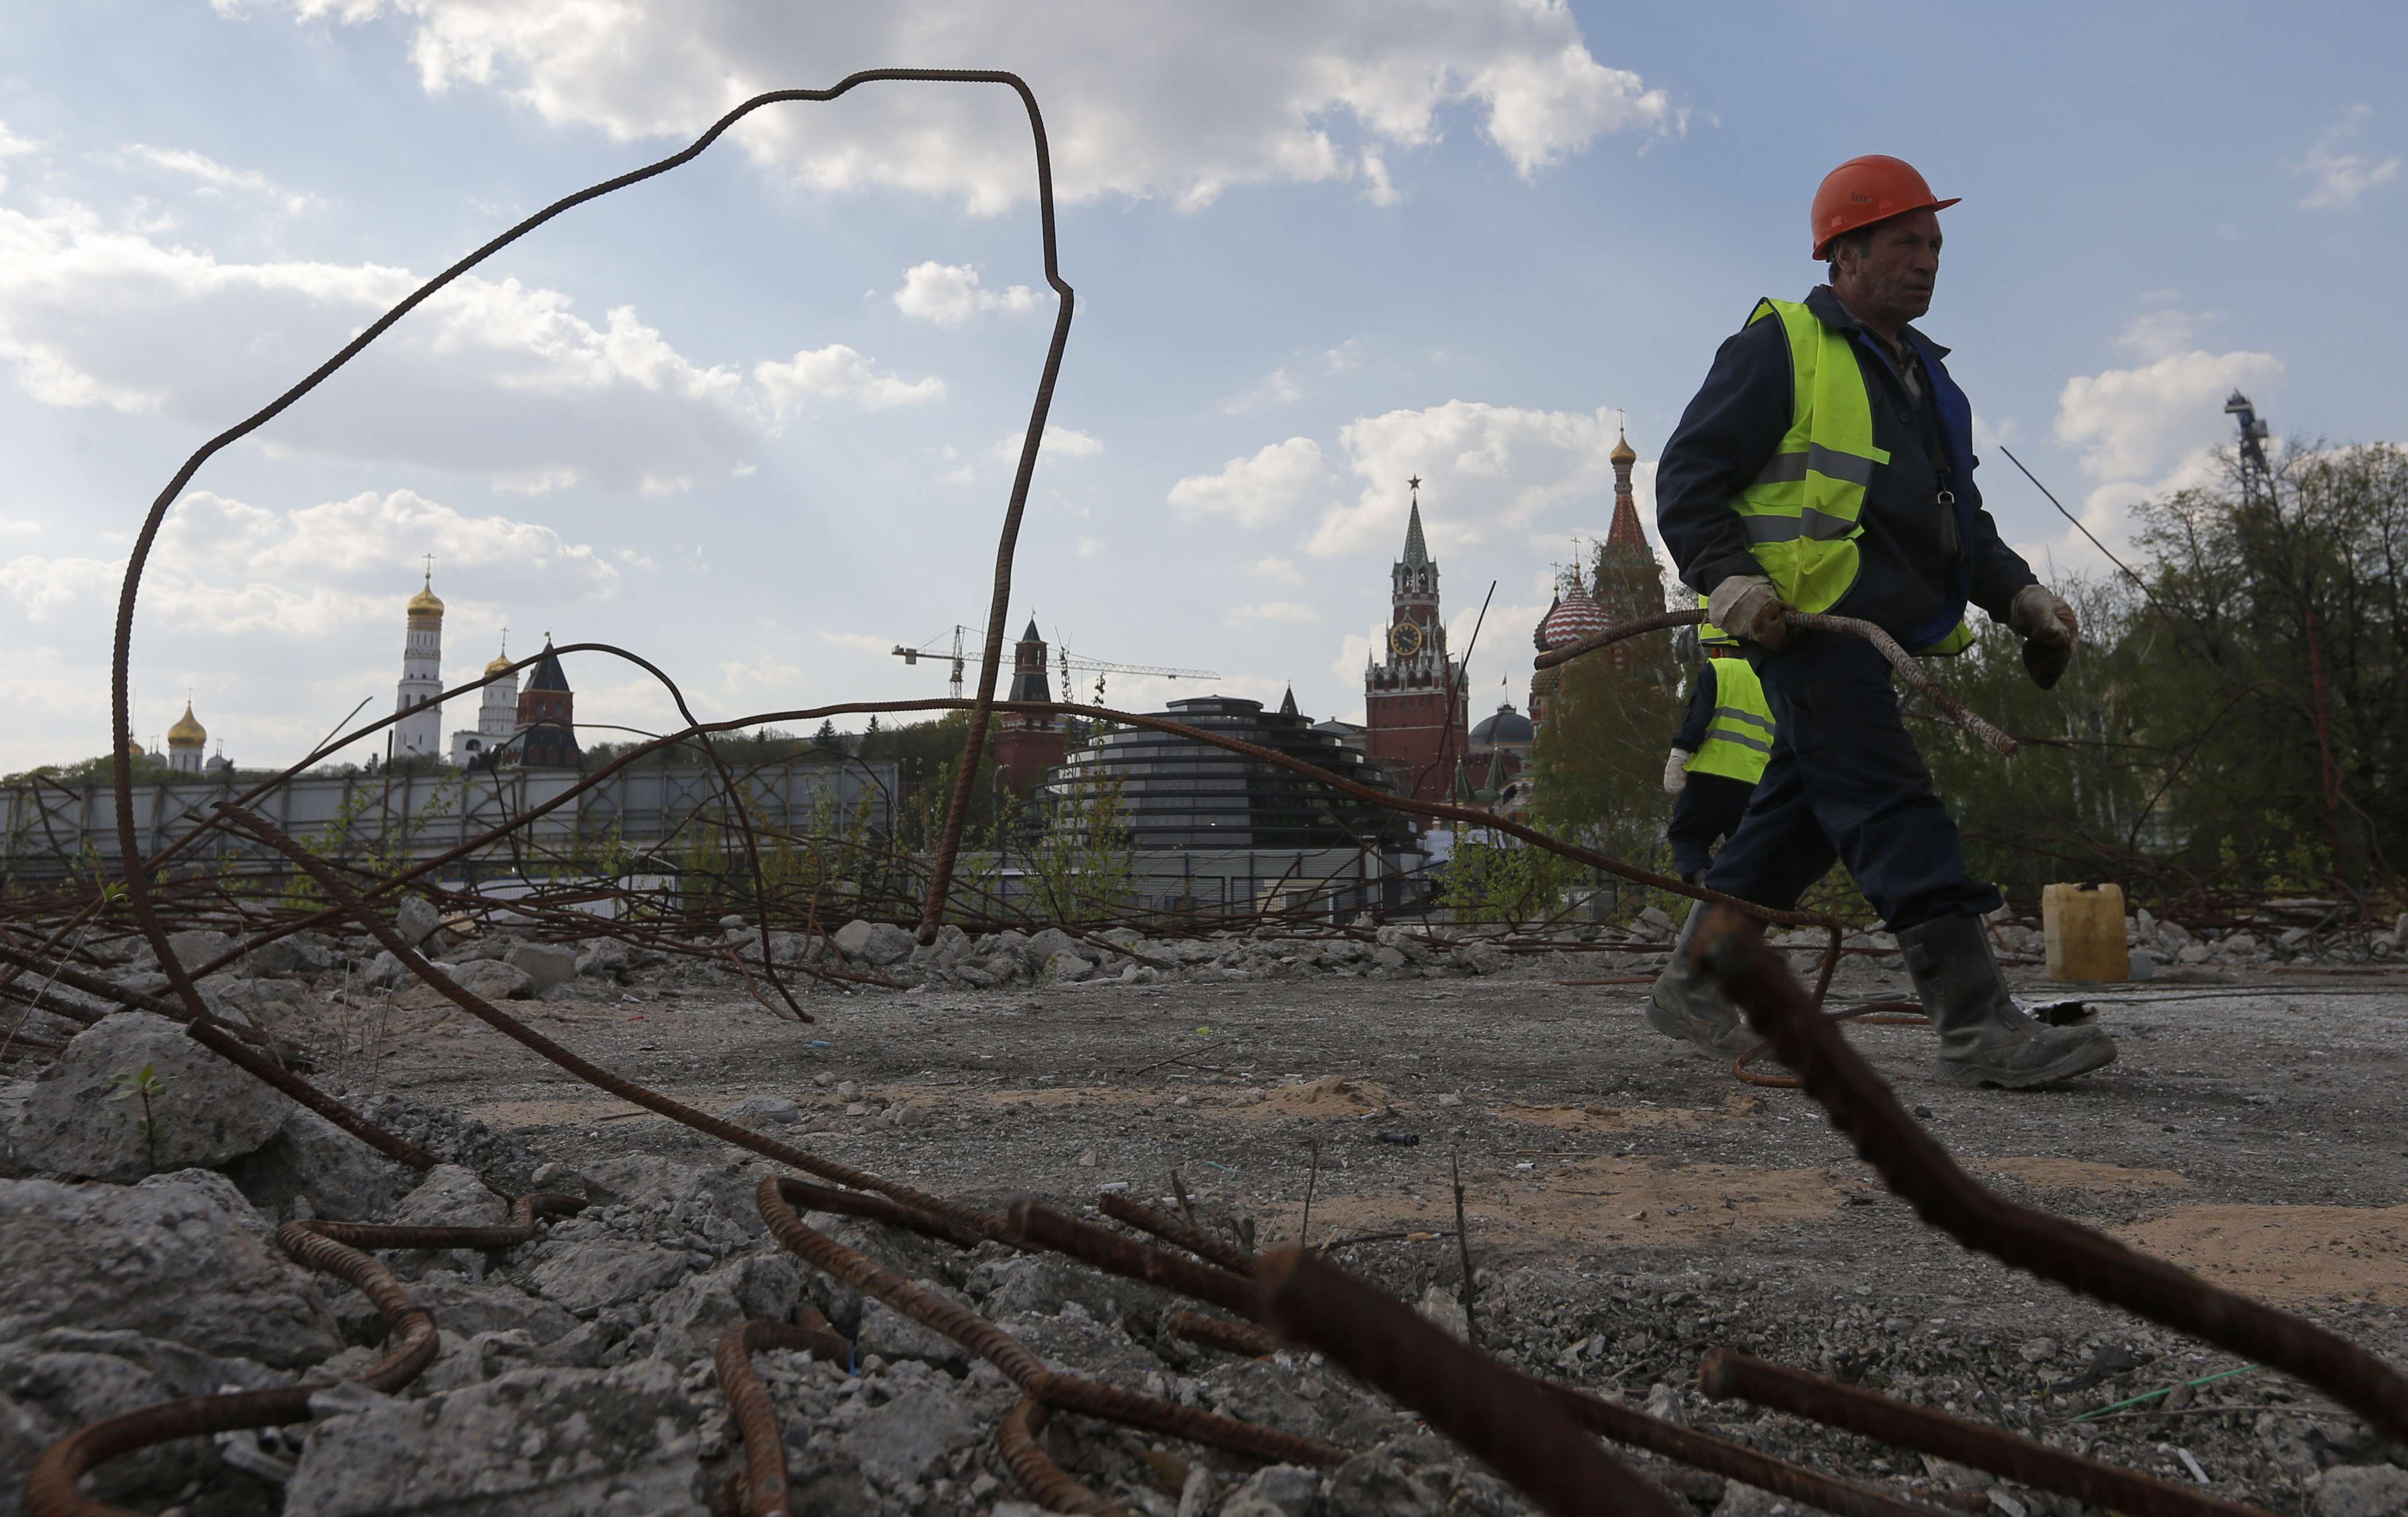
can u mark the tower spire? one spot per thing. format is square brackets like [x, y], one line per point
[1416, 548]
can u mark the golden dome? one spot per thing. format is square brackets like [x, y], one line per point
[426, 603]
[501, 664]
[187, 733]
[1622, 453]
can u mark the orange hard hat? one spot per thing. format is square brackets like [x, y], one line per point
[1866, 189]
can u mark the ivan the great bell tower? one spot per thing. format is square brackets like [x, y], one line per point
[1414, 696]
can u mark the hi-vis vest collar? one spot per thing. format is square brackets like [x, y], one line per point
[1802, 513]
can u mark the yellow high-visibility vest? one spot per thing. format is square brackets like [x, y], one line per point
[1802, 514]
[1738, 739]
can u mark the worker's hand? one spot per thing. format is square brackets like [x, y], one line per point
[2049, 629]
[2039, 616]
[1746, 606]
[1676, 771]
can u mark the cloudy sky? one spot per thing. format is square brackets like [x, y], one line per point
[756, 419]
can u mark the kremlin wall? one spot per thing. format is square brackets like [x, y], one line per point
[1206, 828]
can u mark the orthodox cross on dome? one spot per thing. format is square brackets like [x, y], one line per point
[430, 569]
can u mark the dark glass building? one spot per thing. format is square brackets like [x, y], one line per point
[1177, 792]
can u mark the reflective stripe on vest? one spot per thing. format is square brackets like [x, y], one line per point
[1738, 737]
[1802, 513]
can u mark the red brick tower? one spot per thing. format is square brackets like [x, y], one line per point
[1027, 746]
[1414, 696]
[1628, 580]
[548, 718]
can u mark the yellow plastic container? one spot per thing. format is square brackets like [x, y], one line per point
[2084, 925]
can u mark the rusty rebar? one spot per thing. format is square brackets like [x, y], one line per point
[1032, 1222]
[53, 1489]
[1244, 1339]
[338, 890]
[1900, 659]
[1067, 1393]
[1017, 1438]
[872, 1207]
[1173, 1231]
[747, 1405]
[1726, 1375]
[1722, 1456]
[1495, 1415]
[522, 1228]
[1917, 1166]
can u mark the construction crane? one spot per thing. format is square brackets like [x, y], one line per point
[965, 645]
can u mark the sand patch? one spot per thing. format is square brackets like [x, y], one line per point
[1330, 1098]
[2077, 1175]
[1594, 1118]
[2286, 1253]
[1594, 1203]
[1043, 1099]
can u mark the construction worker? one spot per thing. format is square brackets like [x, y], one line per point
[1717, 757]
[1826, 465]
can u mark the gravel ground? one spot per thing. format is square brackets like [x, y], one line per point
[1629, 1205]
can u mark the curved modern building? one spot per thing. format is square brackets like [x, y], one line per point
[1177, 792]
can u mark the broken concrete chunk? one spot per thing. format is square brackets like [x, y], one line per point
[415, 919]
[204, 1110]
[532, 1443]
[546, 963]
[310, 1159]
[110, 1256]
[878, 943]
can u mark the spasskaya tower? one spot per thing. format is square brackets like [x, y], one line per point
[1412, 693]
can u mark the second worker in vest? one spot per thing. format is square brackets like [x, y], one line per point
[1826, 465]
[1717, 757]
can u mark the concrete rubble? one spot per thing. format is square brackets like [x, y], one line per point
[575, 1372]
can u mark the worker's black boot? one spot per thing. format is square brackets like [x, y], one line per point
[1686, 1003]
[1985, 1038]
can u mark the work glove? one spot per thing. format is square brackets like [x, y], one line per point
[1746, 606]
[2049, 629]
[1676, 771]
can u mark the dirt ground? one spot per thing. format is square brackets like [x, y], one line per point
[2254, 1130]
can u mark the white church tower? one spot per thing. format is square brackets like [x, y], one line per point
[497, 718]
[420, 733]
[186, 740]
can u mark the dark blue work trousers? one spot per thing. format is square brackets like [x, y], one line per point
[1844, 784]
[1707, 811]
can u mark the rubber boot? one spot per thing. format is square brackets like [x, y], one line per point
[1686, 1003]
[1985, 1038]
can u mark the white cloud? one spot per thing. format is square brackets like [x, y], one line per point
[1142, 97]
[2159, 333]
[1483, 468]
[949, 294]
[1256, 490]
[2107, 513]
[1060, 442]
[1091, 547]
[1274, 389]
[859, 642]
[489, 377]
[11, 528]
[835, 372]
[1274, 610]
[226, 567]
[2130, 422]
[215, 178]
[2338, 179]
[1281, 570]
[11, 145]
